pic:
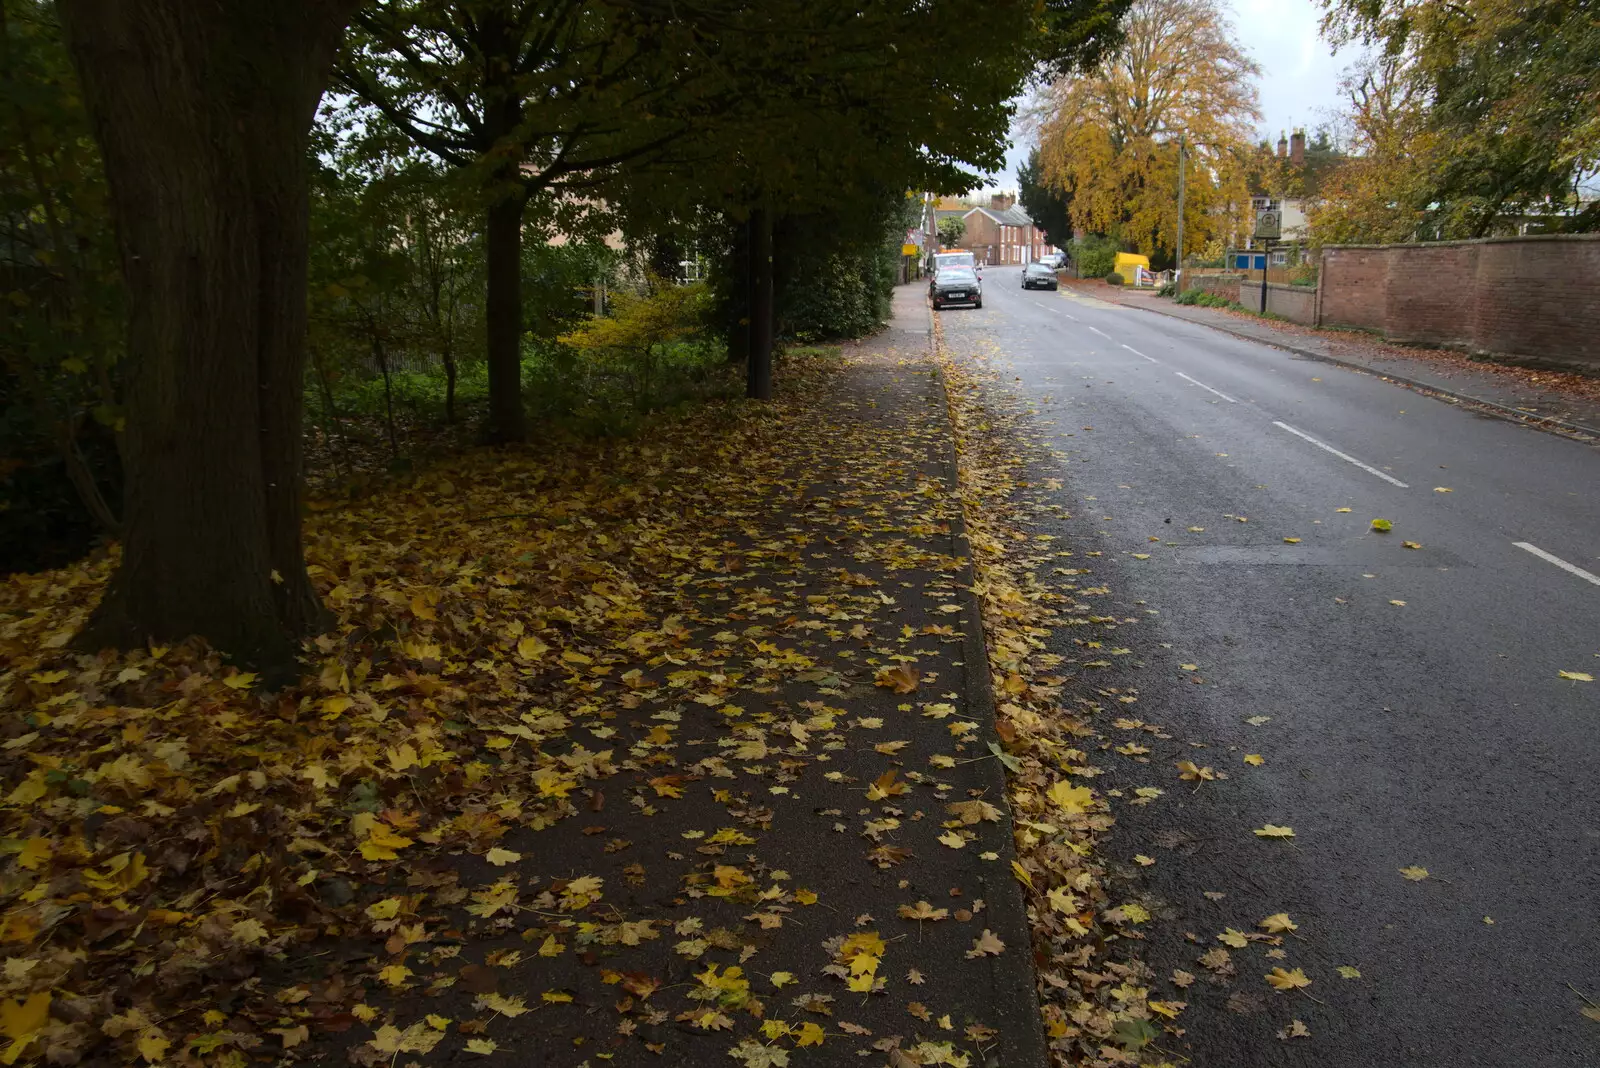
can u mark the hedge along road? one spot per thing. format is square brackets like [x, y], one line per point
[1403, 691]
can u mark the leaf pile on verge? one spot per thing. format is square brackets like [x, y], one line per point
[404, 851]
[1093, 990]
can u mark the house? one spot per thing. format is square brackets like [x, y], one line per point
[1000, 233]
[1287, 184]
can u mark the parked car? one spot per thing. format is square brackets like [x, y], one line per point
[957, 285]
[1038, 276]
[960, 258]
[1053, 260]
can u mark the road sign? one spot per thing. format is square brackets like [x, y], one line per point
[1269, 224]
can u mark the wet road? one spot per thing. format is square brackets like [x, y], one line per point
[1414, 712]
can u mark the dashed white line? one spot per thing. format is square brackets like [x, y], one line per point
[1101, 332]
[1342, 455]
[1136, 352]
[1550, 558]
[1208, 389]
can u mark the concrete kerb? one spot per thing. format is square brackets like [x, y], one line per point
[980, 702]
[1491, 408]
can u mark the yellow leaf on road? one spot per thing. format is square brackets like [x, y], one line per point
[1255, 760]
[1273, 831]
[501, 857]
[1278, 923]
[1577, 676]
[1415, 874]
[1347, 972]
[484, 1046]
[1284, 981]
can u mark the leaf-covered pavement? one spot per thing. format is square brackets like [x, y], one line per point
[658, 751]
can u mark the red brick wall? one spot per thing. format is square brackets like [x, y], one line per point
[982, 232]
[1530, 299]
[1353, 281]
[1428, 292]
[1540, 301]
[1223, 285]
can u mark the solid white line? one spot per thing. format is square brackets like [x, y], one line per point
[1207, 388]
[1562, 564]
[1342, 455]
[1136, 352]
[1101, 332]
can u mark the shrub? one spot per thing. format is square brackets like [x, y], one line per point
[1115, 279]
[1167, 289]
[1189, 296]
[1095, 256]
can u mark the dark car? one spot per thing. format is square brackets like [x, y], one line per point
[1038, 276]
[957, 285]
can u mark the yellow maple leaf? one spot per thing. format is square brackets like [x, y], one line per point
[1414, 873]
[382, 841]
[394, 974]
[1071, 799]
[1577, 676]
[484, 1046]
[550, 947]
[501, 857]
[1272, 831]
[556, 997]
[1284, 981]
[152, 1045]
[809, 1034]
[387, 909]
[1255, 760]
[20, 1019]
[402, 756]
[1278, 923]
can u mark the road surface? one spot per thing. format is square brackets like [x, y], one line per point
[1416, 714]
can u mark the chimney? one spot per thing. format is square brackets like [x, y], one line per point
[1283, 145]
[1297, 148]
[1001, 201]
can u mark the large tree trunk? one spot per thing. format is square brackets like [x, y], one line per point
[504, 314]
[758, 381]
[202, 112]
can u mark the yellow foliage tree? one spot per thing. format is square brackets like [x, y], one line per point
[1109, 137]
[629, 340]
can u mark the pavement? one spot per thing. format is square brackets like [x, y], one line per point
[1514, 392]
[1400, 693]
[765, 865]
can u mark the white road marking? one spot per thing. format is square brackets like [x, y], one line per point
[1136, 352]
[1101, 332]
[1562, 564]
[1342, 455]
[1207, 388]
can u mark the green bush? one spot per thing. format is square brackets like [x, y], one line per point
[1188, 296]
[1115, 279]
[1167, 289]
[1096, 257]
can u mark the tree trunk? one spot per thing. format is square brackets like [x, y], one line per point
[504, 313]
[758, 382]
[202, 113]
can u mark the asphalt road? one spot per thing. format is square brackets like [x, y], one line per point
[1434, 733]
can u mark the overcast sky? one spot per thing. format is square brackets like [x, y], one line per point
[1299, 75]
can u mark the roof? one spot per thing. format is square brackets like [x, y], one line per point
[1012, 216]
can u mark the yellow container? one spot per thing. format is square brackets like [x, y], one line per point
[1127, 261]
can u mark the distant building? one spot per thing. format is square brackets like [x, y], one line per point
[999, 233]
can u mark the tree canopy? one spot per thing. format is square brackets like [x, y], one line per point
[1496, 104]
[1109, 135]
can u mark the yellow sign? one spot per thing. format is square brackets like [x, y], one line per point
[910, 250]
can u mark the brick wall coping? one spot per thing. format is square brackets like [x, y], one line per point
[1468, 241]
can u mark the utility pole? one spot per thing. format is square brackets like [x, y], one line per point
[1178, 274]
